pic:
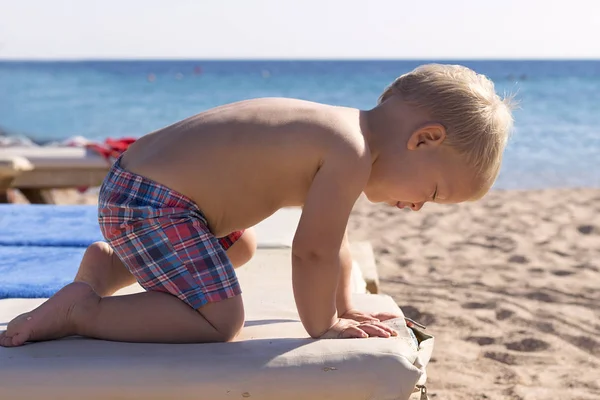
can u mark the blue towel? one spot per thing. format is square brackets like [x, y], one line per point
[48, 225]
[34, 271]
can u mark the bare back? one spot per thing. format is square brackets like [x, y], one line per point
[243, 161]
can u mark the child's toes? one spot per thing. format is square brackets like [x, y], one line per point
[5, 340]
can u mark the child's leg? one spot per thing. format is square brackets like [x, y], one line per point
[164, 318]
[103, 271]
[184, 269]
[142, 317]
[240, 246]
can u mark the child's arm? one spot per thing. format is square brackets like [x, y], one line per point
[317, 244]
[345, 308]
[343, 300]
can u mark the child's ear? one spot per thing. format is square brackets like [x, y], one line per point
[427, 135]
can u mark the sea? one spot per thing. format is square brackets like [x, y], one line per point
[555, 143]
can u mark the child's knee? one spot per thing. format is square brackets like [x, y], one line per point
[226, 317]
[98, 253]
[243, 249]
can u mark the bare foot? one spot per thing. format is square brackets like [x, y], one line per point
[51, 320]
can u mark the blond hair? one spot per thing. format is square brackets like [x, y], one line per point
[478, 122]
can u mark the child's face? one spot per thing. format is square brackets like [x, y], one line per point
[435, 174]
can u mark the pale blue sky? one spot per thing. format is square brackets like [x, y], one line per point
[84, 29]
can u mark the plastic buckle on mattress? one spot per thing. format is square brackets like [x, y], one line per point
[423, 390]
[412, 322]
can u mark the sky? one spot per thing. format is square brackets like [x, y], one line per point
[299, 29]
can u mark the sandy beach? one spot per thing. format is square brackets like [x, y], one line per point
[508, 285]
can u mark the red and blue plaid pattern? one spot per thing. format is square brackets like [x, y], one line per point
[163, 239]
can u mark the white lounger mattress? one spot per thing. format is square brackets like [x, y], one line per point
[58, 157]
[273, 358]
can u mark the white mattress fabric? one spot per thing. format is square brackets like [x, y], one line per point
[273, 359]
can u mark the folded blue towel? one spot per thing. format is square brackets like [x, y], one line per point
[35, 272]
[48, 225]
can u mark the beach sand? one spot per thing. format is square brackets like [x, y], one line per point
[509, 286]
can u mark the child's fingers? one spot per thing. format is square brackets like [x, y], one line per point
[375, 331]
[360, 317]
[386, 328]
[384, 316]
[354, 332]
[367, 319]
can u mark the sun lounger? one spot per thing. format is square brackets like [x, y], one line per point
[273, 358]
[10, 167]
[35, 170]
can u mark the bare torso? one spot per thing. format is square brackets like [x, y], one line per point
[242, 162]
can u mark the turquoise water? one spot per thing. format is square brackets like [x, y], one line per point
[556, 141]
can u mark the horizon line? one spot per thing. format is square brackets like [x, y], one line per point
[308, 59]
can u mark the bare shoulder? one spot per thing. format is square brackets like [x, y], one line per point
[347, 145]
[336, 131]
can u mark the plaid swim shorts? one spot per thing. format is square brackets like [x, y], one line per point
[162, 237]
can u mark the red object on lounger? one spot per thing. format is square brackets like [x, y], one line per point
[110, 149]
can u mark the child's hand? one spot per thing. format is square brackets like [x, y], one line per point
[349, 329]
[362, 316]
